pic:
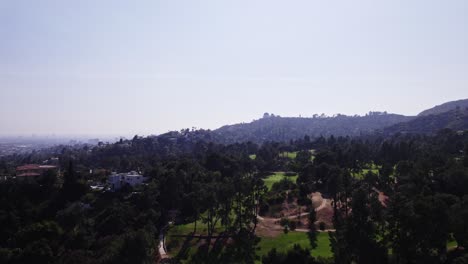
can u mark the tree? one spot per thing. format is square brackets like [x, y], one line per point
[459, 222]
[138, 247]
[312, 234]
[361, 230]
[297, 255]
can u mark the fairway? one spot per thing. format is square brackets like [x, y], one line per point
[173, 243]
[293, 155]
[369, 168]
[289, 155]
[277, 177]
[285, 242]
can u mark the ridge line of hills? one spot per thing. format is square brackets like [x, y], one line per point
[451, 115]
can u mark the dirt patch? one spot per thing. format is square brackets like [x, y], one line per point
[383, 199]
[316, 198]
[268, 227]
[325, 215]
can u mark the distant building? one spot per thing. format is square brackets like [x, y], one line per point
[118, 180]
[30, 173]
[4, 177]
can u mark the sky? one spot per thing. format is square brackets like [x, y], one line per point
[146, 67]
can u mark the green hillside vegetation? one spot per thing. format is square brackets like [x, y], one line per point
[439, 109]
[282, 129]
[405, 201]
[456, 120]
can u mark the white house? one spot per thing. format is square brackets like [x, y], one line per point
[118, 180]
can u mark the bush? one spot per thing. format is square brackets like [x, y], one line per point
[304, 201]
[322, 226]
[292, 225]
[284, 222]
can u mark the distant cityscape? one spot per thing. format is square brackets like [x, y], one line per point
[10, 145]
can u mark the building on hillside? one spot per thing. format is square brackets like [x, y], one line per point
[31, 173]
[4, 177]
[118, 180]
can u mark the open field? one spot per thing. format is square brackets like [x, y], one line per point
[284, 242]
[369, 168]
[293, 155]
[277, 177]
[289, 155]
[174, 244]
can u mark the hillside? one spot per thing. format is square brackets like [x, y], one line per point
[275, 128]
[445, 107]
[456, 119]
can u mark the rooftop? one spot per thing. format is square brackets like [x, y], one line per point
[35, 167]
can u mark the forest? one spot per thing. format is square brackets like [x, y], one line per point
[390, 199]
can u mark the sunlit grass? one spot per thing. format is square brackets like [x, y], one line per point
[277, 177]
[285, 242]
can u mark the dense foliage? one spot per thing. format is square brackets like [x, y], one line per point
[423, 179]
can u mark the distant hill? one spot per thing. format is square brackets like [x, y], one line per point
[456, 119]
[453, 115]
[445, 107]
[275, 128]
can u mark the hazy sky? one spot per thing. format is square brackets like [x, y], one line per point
[126, 67]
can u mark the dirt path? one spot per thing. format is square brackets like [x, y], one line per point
[307, 230]
[161, 246]
[322, 205]
[270, 227]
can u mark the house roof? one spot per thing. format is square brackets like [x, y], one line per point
[28, 175]
[35, 167]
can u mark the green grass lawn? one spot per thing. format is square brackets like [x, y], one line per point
[289, 155]
[293, 155]
[285, 242]
[278, 176]
[253, 156]
[371, 167]
[282, 243]
[452, 244]
[174, 244]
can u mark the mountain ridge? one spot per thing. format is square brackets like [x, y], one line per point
[275, 128]
[445, 107]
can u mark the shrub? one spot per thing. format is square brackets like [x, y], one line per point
[284, 221]
[322, 226]
[292, 225]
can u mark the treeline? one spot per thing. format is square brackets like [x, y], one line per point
[410, 202]
[408, 210]
[61, 220]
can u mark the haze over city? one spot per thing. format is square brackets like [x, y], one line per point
[124, 68]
